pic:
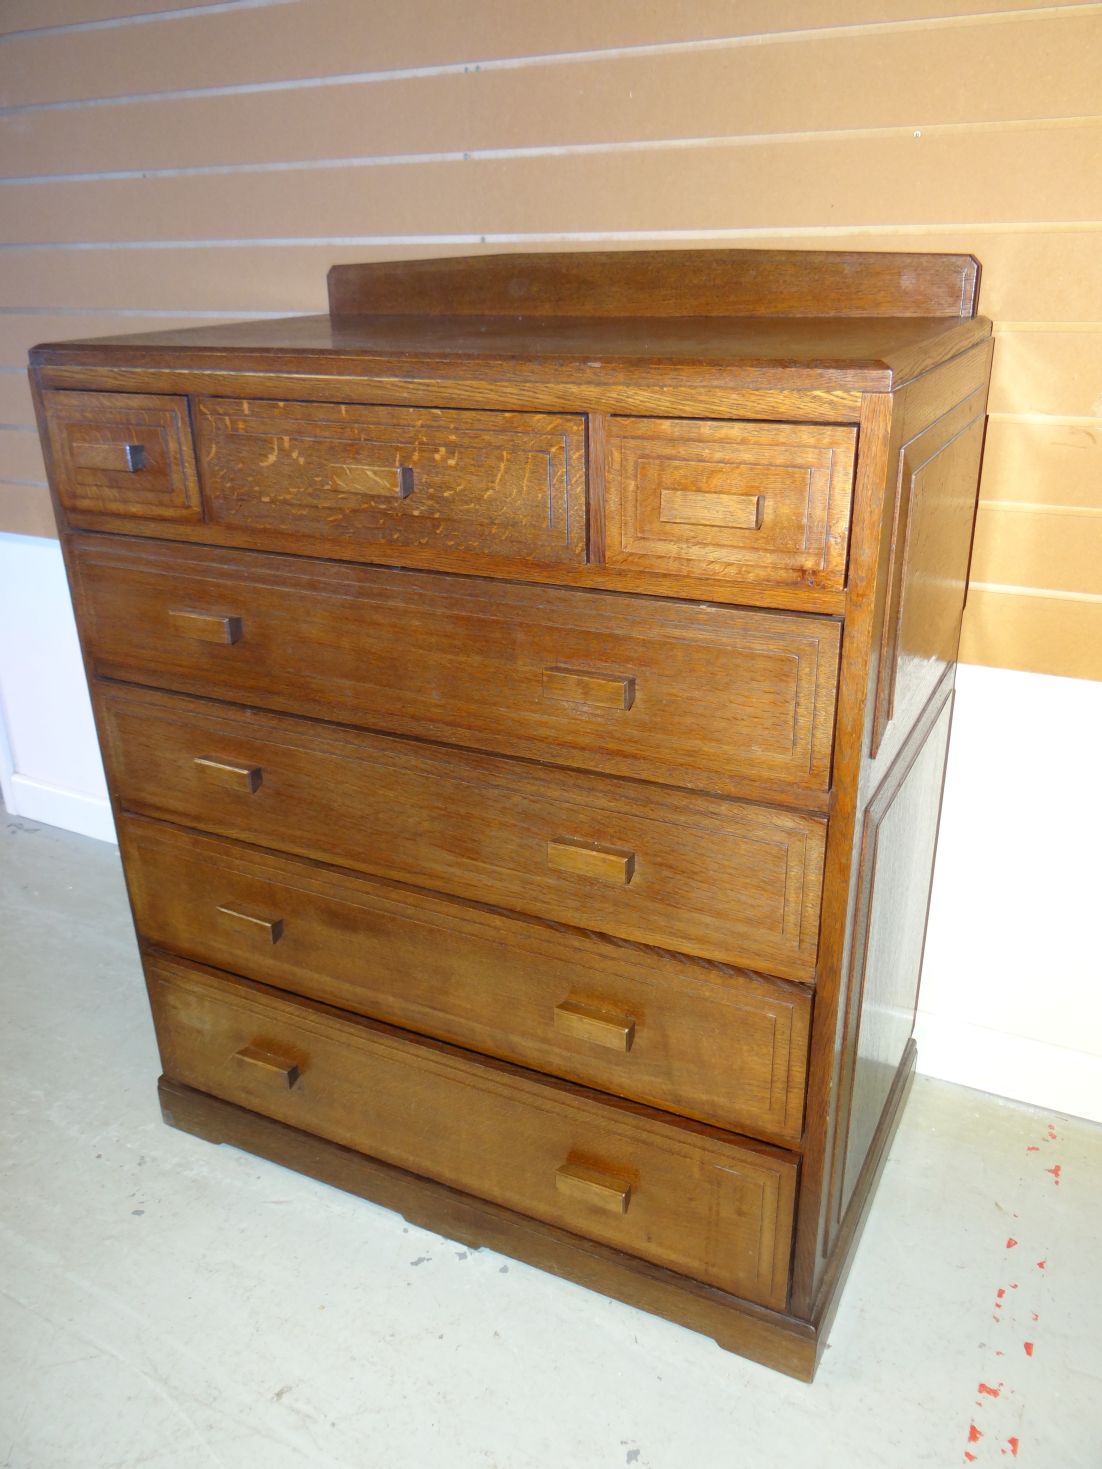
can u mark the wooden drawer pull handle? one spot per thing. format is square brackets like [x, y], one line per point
[394, 481]
[590, 1187]
[590, 1023]
[272, 928]
[268, 1061]
[591, 859]
[698, 507]
[207, 627]
[576, 686]
[245, 778]
[123, 458]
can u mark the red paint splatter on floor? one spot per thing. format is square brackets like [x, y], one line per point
[970, 1457]
[991, 1392]
[1055, 1173]
[1011, 1243]
[1000, 1293]
[1013, 1443]
[1042, 1264]
[974, 1435]
[1035, 1316]
[1033, 1150]
[1028, 1348]
[1051, 1133]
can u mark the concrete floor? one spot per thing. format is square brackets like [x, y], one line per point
[167, 1303]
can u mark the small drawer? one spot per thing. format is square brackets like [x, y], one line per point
[712, 698]
[716, 501]
[690, 1198]
[721, 879]
[450, 487]
[723, 1046]
[122, 454]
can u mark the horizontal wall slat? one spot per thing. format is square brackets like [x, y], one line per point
[1043, 275]
[1046, 548]
[27, 15]
[336, 37]
[1045, 462]
[1047, 68]
[1027, 174]
[1036, 634]
[26, 510]
[1049, 372]
[18, 334]
[15, 398]
[20, 455]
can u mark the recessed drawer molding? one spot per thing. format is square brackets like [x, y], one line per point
[750, 502]
[470, 486]
[708, 697]
[635, 1179]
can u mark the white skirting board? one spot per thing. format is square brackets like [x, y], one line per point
[1011, 998]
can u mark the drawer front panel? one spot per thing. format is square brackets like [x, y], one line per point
[458, 486]
[706, 697]
[705, 876]
[731, 501]
[122, 454]
[717, 1044]
[674, 1193]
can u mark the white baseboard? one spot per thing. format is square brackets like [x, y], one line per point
[1016, 1066]
[34, 800]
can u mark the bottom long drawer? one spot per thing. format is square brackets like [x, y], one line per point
[665, 1189]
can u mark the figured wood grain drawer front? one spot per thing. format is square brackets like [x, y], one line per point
[458, 488]
[713, 877]
[722, 501]
[713, 1043]
[674, 1192]
[707, 697]
[122, 454]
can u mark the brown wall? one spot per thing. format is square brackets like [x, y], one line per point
[215, 161]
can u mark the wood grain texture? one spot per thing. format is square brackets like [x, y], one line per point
[497, 1131]
[723, 700]
[714, 1043]
[717, 878]
[657, 283]
[123, 454]
[792, 482]
[384, 480]
[776, 1340]
[894, 878]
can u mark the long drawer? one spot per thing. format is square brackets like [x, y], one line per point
[703, 875]
[707, 697]
[705, 1041]
[671, 1191]
[436, 485]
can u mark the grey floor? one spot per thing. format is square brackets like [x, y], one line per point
[167, 1303]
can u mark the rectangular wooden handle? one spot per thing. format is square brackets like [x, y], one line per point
[591, 1023]
[206, 627]
[264, 1060]
[591, 859]
[245, 778]
[590, 1187]
[698, 507]
[251, 923]
[391, 481]
[122, 458]
[578, 686]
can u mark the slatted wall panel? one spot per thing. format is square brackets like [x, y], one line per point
[175, 165]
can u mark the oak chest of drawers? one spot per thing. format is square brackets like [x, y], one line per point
[525, 696]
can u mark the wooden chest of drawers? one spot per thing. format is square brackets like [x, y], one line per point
[525, 696]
